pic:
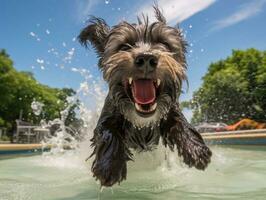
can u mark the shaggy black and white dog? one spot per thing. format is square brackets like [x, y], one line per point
[144, 65]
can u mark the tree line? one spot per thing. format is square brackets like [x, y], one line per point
[232, 89]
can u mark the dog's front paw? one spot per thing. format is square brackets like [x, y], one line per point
[109, 172]
[196, 154]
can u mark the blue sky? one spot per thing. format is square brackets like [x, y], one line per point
[40, 35]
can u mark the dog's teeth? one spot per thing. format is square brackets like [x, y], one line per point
[158, 82]
[130, 80]
[153, 107]
[138, 107]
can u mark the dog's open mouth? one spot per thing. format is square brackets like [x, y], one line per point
[144, 93]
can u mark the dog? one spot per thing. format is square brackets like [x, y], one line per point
[144, 65]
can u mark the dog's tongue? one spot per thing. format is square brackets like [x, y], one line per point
[143, 91]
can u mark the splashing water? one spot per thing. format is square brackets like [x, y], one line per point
[67, 142]
[64, 136]
[70, 147]
[37, 107]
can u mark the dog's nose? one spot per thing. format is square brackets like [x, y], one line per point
[146, 62]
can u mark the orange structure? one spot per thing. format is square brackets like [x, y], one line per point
[245, 124]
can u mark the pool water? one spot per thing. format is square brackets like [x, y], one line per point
[235, 173]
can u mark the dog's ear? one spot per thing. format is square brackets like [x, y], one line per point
[95, 33]
[158, 14]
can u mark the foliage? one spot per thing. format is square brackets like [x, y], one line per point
[19, 89]
[232, 89]
[2, 122]
[5, 138]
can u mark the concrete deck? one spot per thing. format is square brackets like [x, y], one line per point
[16, 147]
[242, 137]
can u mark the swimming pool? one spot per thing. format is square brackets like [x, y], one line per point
[235, 173]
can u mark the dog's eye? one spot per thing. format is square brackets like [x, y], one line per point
[124, 47]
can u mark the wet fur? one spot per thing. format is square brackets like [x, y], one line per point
[120, 128]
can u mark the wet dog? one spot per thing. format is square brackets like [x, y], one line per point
[144, 65]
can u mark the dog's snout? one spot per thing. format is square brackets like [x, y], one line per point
[146, 62]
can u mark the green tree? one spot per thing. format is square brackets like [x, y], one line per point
[232, 89]
[19, 89]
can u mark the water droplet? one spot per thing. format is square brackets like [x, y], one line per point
[32, 34]
[40, 61]
[37, 107]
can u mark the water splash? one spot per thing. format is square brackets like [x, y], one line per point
[67, 142]
[70, 146]
[64, 137]
[36, 107]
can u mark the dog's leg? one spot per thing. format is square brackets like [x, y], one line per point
[176, 131]
[111, 154]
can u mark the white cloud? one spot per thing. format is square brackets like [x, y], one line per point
[246, 11]
[176, 10]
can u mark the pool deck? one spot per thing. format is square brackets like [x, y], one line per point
[9, 147]
[242, 137]
[6, 149]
